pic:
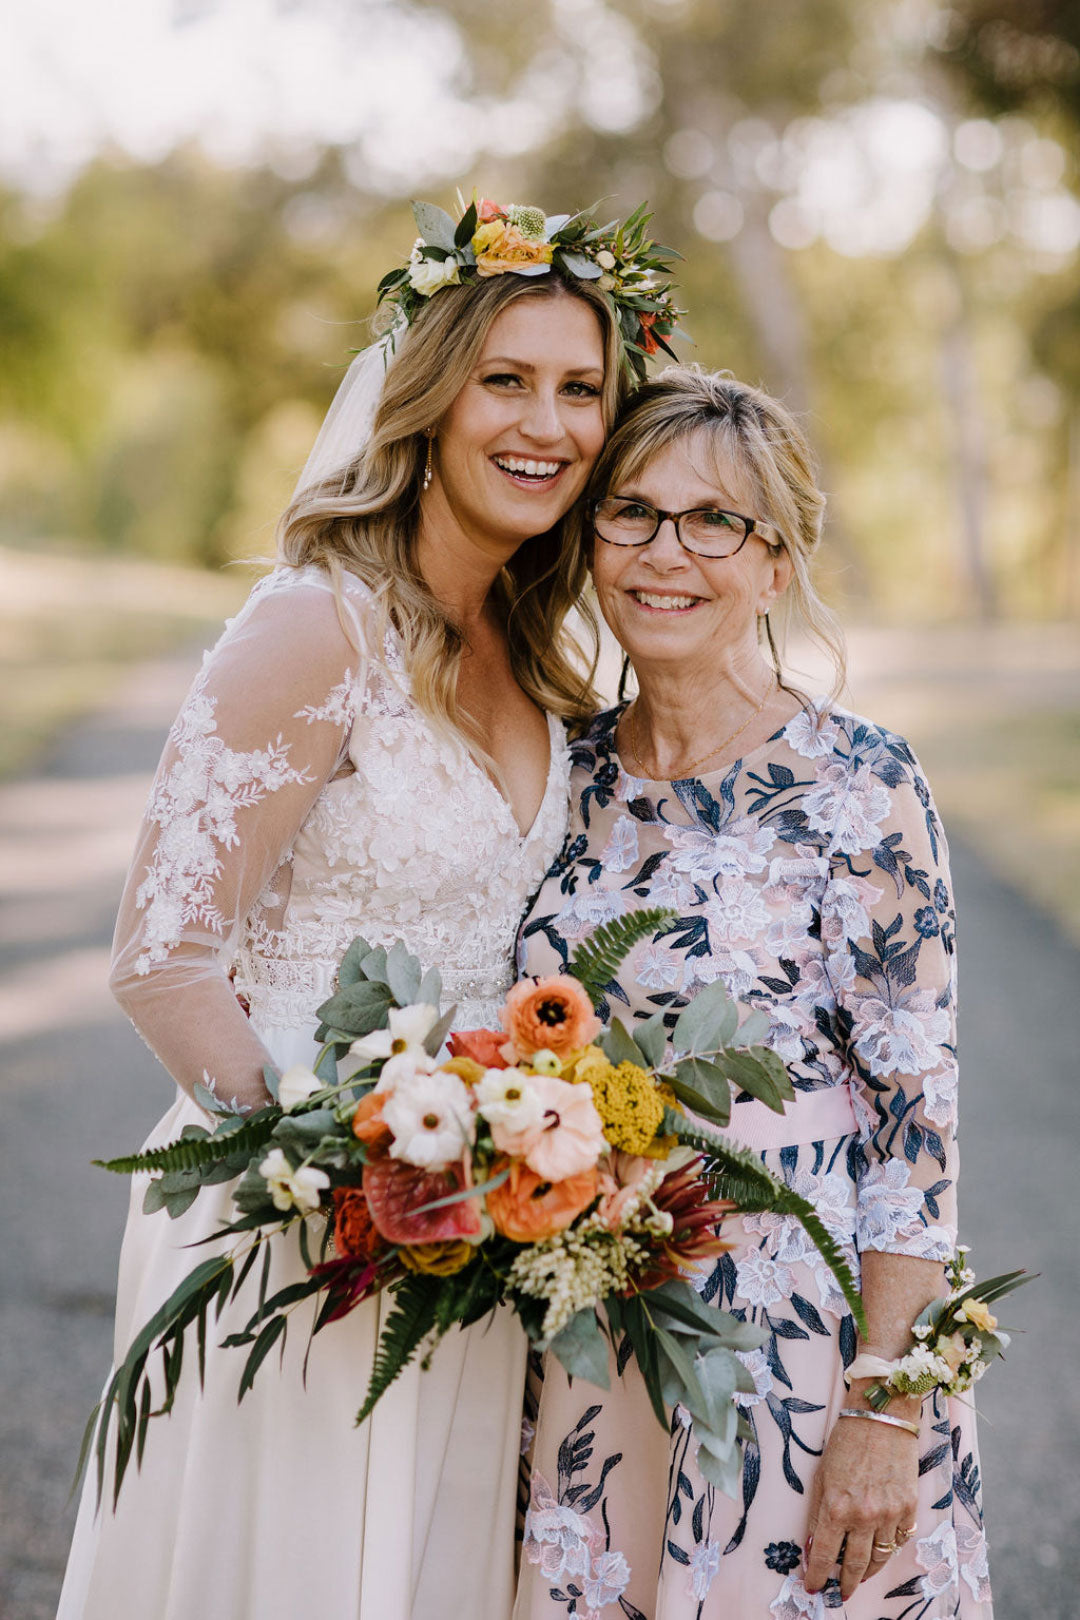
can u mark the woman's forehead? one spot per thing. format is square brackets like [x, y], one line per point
[700, 464]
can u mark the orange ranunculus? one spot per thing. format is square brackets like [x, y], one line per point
[368, 1126]
[484, 1046]
[396, 1195]
[528, 1209]
[648, 342]
[437, 1259]
[553, 1012]
[354, 1230]
[510, 249]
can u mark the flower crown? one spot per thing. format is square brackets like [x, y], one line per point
[491, 239]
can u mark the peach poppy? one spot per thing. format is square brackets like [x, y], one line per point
[553, 1013]
[569, 1136]
[368, 1125]
[527, 1209]
[484, 1046]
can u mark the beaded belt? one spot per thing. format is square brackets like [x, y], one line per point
[812, 1116]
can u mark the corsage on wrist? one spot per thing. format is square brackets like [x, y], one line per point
[957, 1337]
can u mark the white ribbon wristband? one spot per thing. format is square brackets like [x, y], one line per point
[867, 1366]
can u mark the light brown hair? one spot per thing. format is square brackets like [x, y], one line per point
[366, 517]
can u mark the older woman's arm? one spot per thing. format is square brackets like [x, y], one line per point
[888, 930]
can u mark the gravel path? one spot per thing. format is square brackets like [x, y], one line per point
[76, 1082]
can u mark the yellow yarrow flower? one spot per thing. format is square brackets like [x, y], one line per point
[628, 1103]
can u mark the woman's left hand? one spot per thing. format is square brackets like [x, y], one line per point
[863, 1499]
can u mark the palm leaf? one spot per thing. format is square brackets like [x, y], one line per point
[416, 1300]
[193, 1152]
[598, 958]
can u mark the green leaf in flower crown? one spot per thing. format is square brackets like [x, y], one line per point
[578, 265]
[651, 1037]
[466, 228]
[619, 1045]
[583, 1349]
[708, 1023]
[598, 958]
[434, 225]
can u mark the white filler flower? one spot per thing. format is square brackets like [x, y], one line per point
[506, 1097]
[293, 1189]
[296, 1085]
[431, 1118]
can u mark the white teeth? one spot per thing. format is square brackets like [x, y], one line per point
[532, 469]
[650, 599]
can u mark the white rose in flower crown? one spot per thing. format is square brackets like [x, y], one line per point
[431, 1119]
[293, 1189]
[428, 275]
[507, 1097]
[296, 1085]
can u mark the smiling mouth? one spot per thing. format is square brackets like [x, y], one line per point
[528, 473]
[661, 602]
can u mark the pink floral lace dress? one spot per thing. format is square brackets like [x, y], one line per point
[812, 878]
[304, 798]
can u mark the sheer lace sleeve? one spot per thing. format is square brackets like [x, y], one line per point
[263, 728]
[888, 928]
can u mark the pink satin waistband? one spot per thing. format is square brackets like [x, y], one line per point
[812, 1116]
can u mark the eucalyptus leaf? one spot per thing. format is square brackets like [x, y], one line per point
[746, 1074]
[554, 223]
[583, 1349]
[651, 1036]
[358, 1009]
[754, 1027]
[430, 990]
[304, 1130]
[578, 265]
[373, 966]
[434, 225]
[403, 974]
[716, 1113]
[271, 1080]
[350, 972]
[708, 1023]
[619, 1045]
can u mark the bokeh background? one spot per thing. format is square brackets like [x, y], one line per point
[879, 206]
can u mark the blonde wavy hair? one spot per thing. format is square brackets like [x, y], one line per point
[760, 438]
[365, 518]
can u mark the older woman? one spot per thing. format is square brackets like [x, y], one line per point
[799, 847]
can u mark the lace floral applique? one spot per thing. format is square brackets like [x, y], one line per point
[194, 803]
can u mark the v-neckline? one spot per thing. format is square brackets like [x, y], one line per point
[556, 748]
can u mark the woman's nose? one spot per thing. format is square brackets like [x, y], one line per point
[541, 420]
[664, 549]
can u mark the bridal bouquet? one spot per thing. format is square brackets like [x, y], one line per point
[551, 1165]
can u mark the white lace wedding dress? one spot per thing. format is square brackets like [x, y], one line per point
[302, 799]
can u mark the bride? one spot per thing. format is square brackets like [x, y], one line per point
[375, 745]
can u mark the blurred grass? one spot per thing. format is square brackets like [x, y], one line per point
[71, 622]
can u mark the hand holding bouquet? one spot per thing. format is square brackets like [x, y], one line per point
[551, 1166]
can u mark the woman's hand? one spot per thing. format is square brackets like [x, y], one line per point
[864, 1492]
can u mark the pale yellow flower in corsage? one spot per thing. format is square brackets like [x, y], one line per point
[978, 1313]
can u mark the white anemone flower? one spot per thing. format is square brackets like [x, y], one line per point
[507, 1097]
[408, 1029]
[296, 1085]
[293, 1189]
[431, 1118]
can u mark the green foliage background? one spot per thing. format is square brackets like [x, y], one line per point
[172, 333]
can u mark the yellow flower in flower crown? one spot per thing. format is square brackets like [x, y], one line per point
[507, 248]
[437, 1259]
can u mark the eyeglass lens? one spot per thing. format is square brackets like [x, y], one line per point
[706, 530]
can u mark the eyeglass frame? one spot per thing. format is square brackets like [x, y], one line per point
[753, 526]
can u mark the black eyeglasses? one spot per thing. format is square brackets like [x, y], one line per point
[707, 531]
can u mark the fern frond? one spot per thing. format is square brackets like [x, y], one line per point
[598, 958]
[193, 1152]
[416, 1300]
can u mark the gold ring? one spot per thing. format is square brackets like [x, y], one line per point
[885, 1548]
[905, 1535]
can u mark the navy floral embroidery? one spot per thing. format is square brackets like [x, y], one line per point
[782, 1556]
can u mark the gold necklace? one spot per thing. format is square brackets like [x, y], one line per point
[684, 771]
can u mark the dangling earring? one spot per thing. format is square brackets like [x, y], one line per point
[428, 468]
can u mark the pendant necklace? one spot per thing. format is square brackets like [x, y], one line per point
[684, 771]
